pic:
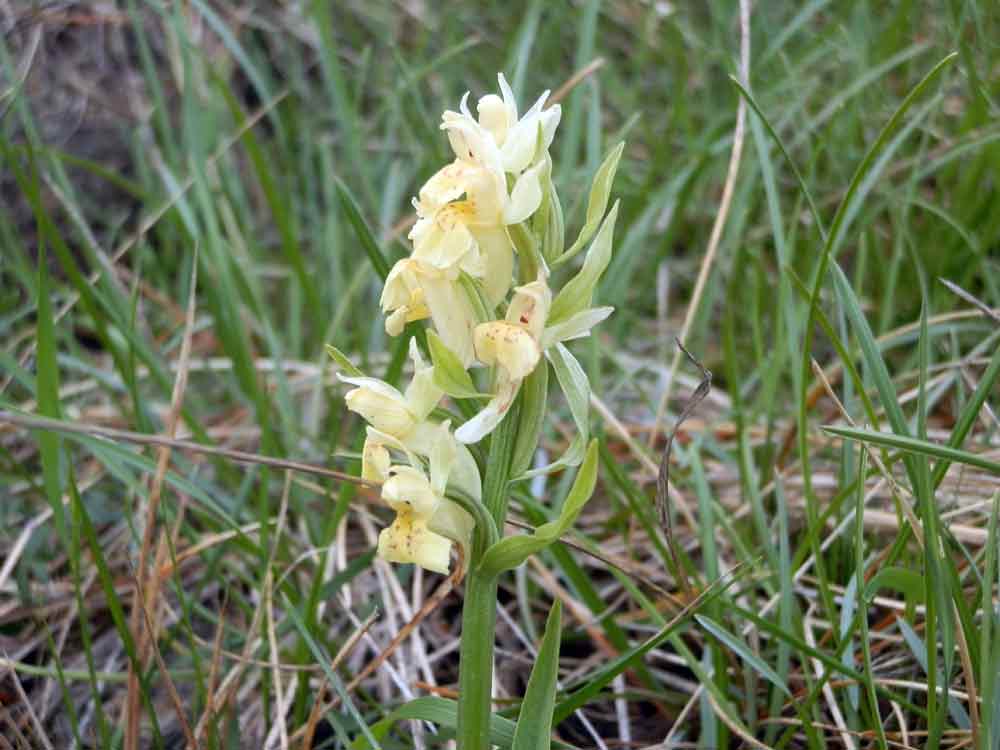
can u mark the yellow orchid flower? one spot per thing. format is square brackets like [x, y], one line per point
[400, 421]
[416, 289]
[462, 214]
[517, 138]
[426, 522]
[515, 346]
[463, 209]
[398, 417]
[409, 538]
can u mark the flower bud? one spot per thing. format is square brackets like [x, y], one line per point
[493, 117]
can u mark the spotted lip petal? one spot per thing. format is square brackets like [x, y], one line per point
[509, 346]
[410, 540]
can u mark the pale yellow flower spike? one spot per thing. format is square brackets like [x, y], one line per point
[463, 211]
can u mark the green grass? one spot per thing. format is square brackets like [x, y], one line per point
[274, 152]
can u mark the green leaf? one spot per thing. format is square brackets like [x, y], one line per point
[548, 220]
[343, 362]
[529, 252]
[48, 395]
[531, 417]
[365, 236]
[908, 582]
[576, 387]
[440, 711]
[969, 414]
[449, 375]
[915, 445]
[579, 291]
[534, 722]
[744, 652]
[510, 552]
[600, 192]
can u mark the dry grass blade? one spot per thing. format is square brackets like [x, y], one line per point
[175, 698]
[213, 672]
[280, 726]
[432, 603]
[35, 721]
[970, 678]
[663, 473]
[319, 705]
[575, 80]
[977, 303]
[715, 238]
[147, 586]
[33, 422]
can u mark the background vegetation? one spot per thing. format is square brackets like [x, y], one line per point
[191, 194]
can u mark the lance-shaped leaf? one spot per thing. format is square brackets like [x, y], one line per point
[600, 192]
[553, 231]
[350, 207]
[574, 384]
[534, 392]
[510, 552]
[343, 362]
[442, 712]
[744, 651]
[579, 291]
[534, 722]
[917, 446]
[449, 375]
[908, 582]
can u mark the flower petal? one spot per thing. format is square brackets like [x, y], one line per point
[526, 196]
[453, 316]
[519, 147]
[409, 540]
[493, 117]
[403, 296]
[508, 98]
[408, 489]
[422, 395]
[509, 346]
[492, 414]
[454, 523]
[446, 185]
[379, 404]
[497, 254]
[443, 240]
[375, 461]
[530, 306]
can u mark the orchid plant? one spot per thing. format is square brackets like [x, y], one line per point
[487, 243]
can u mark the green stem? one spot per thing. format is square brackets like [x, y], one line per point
[479, 610]
[475, 666]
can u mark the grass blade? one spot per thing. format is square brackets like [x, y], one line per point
[534, 722]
